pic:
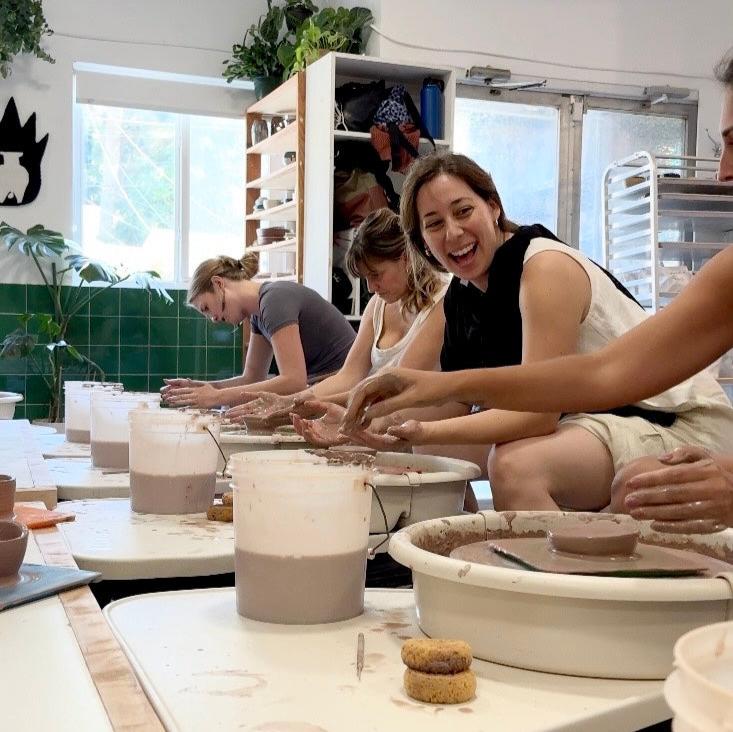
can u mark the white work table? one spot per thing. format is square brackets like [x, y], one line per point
[109, 537]
[54, 445]
[75, 478]
[205, 667]
[44, 679]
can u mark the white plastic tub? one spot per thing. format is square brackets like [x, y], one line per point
[110, 425]
[430, 487]
[172, 460]
[700, 689]
[605, 627]
[77, 407]
[8, 400]
[233, 442]
[301, 535]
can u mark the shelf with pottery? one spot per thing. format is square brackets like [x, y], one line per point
[66, 659]
[288, 99]
[186, 644]
[283, 179]
[286, 245]
[284, 212]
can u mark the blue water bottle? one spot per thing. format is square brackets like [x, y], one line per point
[431, 106]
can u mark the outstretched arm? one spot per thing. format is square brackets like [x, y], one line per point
[689, 334]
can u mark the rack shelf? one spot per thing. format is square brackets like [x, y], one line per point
[366, 137]
[286, 245]
[283, 212]
[283, 140]
[283, 179]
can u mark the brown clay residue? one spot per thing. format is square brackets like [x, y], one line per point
[391, 625]
[465, 710]
[374, 657]
[257, 683]
[464, 570]
[445, 540]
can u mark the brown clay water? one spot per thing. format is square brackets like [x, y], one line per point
[300, 590]
[171, 494]
[110, 454]
[73, 435]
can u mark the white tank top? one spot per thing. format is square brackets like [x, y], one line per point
[610, 315]
[384, 357]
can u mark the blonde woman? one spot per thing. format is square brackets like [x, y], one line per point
[308, 336]
[403, 325]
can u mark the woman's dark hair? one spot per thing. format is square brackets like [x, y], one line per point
[422, 171]
[380, 237]
[724, 69]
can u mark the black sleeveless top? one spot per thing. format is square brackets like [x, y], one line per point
[484, 329]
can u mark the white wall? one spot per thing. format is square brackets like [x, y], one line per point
[195, 36]
[183, 36]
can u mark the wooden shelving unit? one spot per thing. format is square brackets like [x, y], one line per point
[266, 173]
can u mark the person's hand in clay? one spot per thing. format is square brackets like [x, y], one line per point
[392, 390]
[693, 495]
[170, 385]
[260, 404]
[204, 396]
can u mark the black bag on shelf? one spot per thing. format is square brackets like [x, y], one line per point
[356, 104]
[351, 155]
[341, 290]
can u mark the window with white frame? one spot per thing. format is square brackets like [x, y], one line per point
[547, 151]
[160, 190]
[159, 168]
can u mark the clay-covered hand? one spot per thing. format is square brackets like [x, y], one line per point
[389, 391]
[323, 431]
[203, 397]
[171, 384]
[694, 495]
[260, 404]
[411, 431]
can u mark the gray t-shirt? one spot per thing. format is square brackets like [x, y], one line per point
[325, 334]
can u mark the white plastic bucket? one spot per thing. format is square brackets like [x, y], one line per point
[172, 460]
[77, 407]
[8, 400]
[110, 426]
[700, 689]
[301, 529]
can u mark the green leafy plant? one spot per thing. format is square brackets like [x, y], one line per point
[22, 27]
[55, 259]
[257, 55]
[330, 29]
[288, 37]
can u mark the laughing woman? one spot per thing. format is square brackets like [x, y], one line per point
[308, 336]
[519, 295]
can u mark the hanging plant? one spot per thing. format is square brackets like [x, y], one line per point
[22, 27]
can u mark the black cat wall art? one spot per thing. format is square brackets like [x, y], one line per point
[20, 158]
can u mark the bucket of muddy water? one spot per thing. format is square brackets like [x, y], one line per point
[301, 530]
[172, 460]
[110, 426]
[77, 407]
[700, 689]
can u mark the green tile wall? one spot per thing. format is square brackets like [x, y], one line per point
[135, 337]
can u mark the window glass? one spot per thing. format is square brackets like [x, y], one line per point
[612, 135]
[518, 145]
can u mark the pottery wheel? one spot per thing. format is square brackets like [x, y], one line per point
[54, 445]
[76, 478]
[536, 554]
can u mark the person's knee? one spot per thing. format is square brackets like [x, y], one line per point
[513, 481]
[619, 489]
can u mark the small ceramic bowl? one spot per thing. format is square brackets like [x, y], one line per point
[13, 542]
[594, 539]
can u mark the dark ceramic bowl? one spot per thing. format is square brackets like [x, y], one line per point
[13, 542]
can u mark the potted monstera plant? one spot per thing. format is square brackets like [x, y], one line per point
[41, 338]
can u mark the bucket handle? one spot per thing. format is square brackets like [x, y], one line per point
[218, 446]
[372, 552]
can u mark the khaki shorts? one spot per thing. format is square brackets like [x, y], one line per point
[629, 438]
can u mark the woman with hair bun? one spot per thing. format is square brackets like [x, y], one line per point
[308, 336]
